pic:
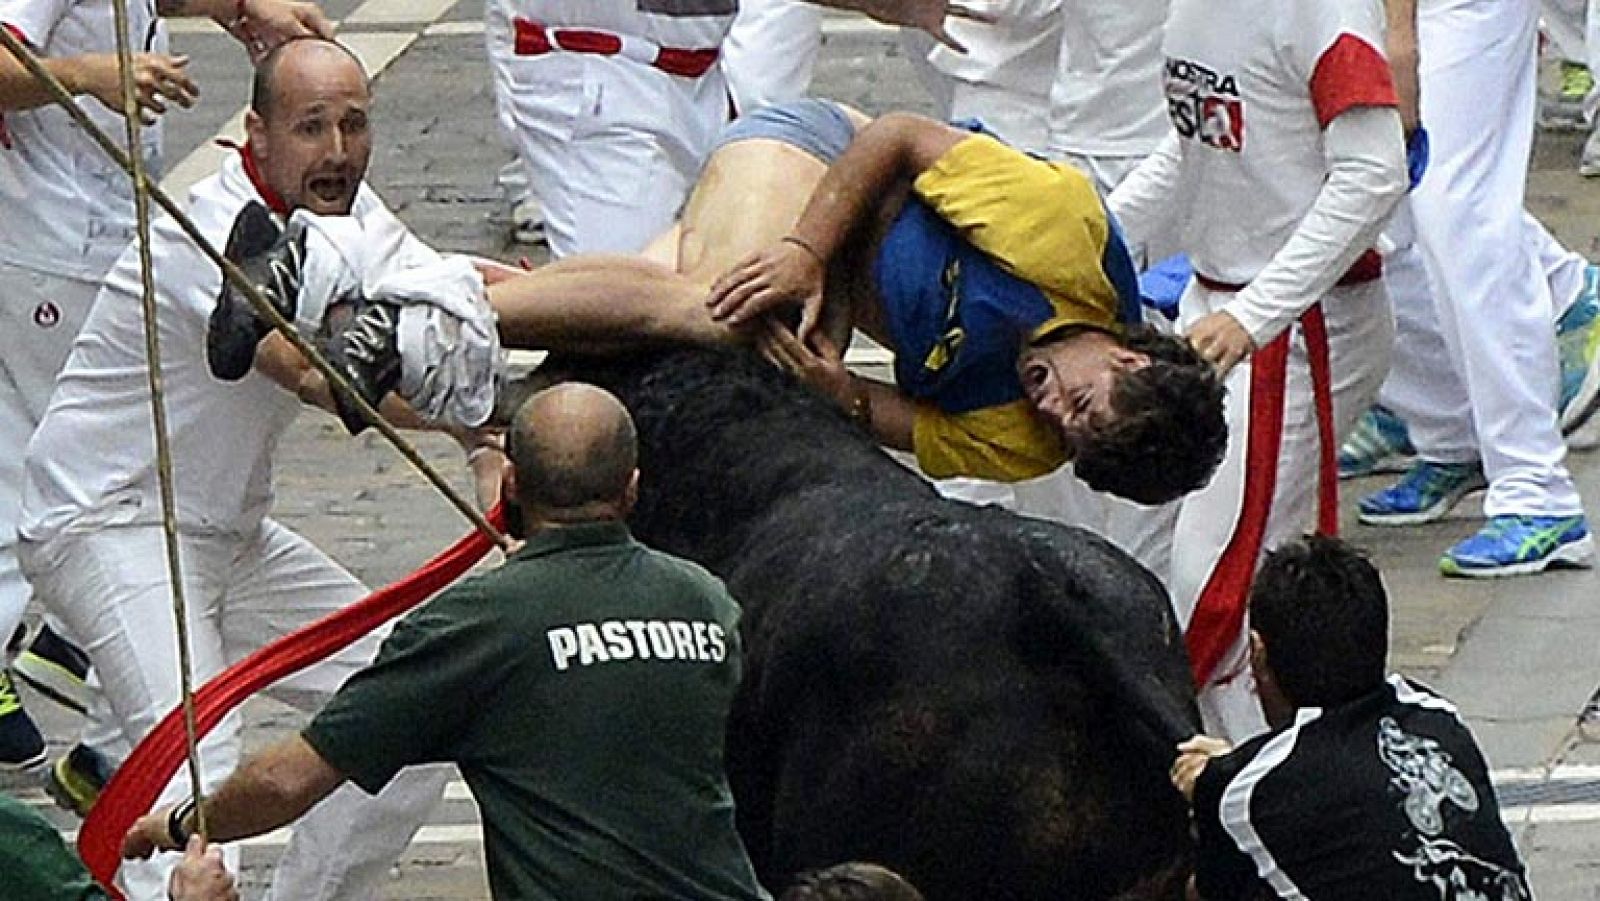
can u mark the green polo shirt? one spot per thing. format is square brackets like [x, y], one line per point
[35, 864]
[583, 689]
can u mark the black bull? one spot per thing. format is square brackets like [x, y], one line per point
[984, 702]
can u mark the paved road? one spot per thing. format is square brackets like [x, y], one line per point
[1520, 658]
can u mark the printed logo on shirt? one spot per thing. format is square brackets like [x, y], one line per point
[944, 350]
[1422, 771]
[47, 315]
[587, 644]
[1205, 105]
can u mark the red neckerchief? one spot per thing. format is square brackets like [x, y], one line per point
[139, 781]
[271, 198]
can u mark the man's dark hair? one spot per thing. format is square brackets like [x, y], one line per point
[567, 465]
[1166, 435]
[1321, 610]
[851, 882]
[263, 84]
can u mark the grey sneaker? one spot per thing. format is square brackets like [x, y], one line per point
[362, 344]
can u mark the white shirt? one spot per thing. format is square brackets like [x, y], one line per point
[92, 460]
[68, 208]
[1106, 99]
[684, 24]
[1264, 196]
[1016, 52]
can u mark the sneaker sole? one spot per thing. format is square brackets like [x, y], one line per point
[1434, 513]
[52, 680]
[24, 772]
[1586, 401]
[1390, 465]
[1572, 555]
[59, 786]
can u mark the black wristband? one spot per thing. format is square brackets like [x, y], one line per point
[175, 831]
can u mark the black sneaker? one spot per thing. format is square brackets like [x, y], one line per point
[21, 744]
[76, 780]
[55, 668]
[361, 343]
[271, 258]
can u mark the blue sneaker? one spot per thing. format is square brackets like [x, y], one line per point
[1578, 338]
[1378, 443]
[1519, 545]
[1425, 493]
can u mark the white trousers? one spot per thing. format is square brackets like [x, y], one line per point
[1266, 490]
[1424, 387]
[1574, 28]
[109, 585]
[40, 315]
[1493, 301]
[770, 52]
[612, 146]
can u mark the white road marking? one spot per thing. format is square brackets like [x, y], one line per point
[376, 50]
[399, 12]
[446, 29]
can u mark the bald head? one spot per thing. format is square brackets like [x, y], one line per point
[290, 57]
[575, 452]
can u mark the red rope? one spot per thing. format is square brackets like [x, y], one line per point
[139, 781]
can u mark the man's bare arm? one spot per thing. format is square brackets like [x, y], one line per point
[1403, 59]
[278, 360]
[158, 79]
[272, 789]
[895, 147]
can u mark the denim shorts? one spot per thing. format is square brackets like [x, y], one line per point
[819, 127]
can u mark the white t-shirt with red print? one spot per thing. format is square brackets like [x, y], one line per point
[68, 209]
[1250, 87]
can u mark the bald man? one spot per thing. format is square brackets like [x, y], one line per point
[92, 542]
[583, 689]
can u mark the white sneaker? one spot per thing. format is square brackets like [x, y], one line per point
[1589, 161]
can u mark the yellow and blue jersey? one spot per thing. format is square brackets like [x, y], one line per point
[994, 250]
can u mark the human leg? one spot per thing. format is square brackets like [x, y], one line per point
[340, 850]
[750, 193]
[613, 146]
[40, 315]
[1496, 309]
[770, 52]
[111, 588]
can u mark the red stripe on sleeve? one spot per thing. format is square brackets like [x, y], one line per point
[1349, 74]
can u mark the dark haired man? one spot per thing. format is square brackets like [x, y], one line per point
[999, 281]
[1367, 787]
[583, 689]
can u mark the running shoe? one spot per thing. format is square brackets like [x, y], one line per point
[1378, 443]
[56, 668]
[22, 750]
[362, 344]
[75, 782]
[1564, 111]
[1578, 338]
[1520, 545]
[1425, 493]
[272, 259]
[1589, 158]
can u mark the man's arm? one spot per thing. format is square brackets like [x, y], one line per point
[259, 25]
[895, 147]
[158, 78]
[278, 360]
[927, 15]
[1401, 47]
[272, 789]
[1366, 178]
